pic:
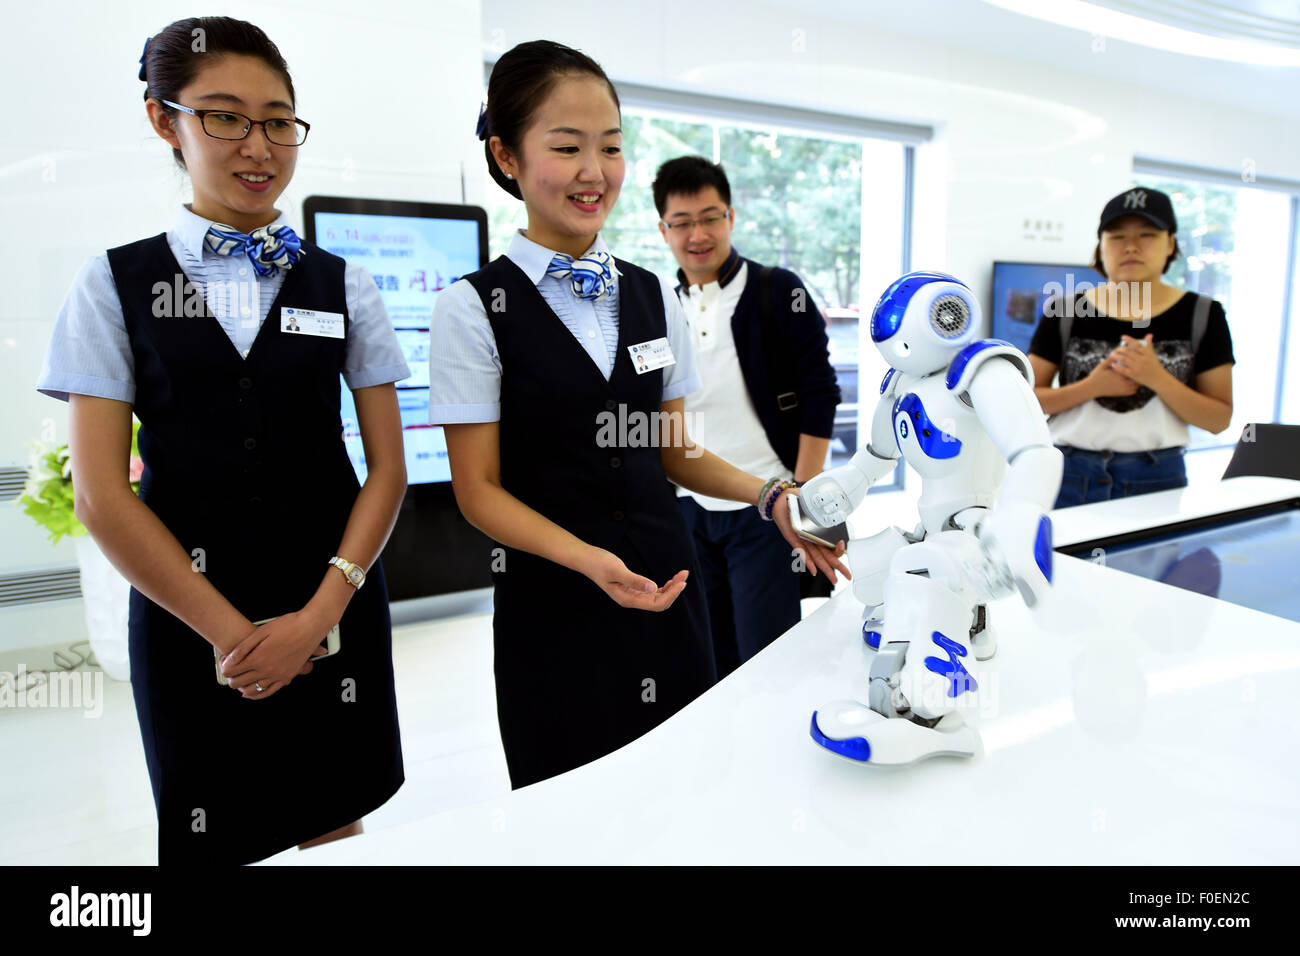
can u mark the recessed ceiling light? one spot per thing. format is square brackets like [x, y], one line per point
[1113, 24]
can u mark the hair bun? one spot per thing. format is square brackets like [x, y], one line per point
[143, 57]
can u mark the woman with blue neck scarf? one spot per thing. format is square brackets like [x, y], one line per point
[559, 373]
[260, 665]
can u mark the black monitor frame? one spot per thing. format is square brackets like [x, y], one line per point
[432, 549]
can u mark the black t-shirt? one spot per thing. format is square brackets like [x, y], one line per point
[1093, 336]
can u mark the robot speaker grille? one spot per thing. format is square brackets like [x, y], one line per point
[949, 316]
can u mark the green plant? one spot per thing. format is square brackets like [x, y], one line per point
[48, 497]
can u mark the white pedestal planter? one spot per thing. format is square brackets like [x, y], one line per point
[107, 596]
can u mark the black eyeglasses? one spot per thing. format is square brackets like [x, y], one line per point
[227, 124]
[684, 226]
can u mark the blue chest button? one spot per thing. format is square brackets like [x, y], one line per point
[933, 441]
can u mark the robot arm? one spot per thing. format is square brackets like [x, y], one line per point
[1017, 533]
[829, 498]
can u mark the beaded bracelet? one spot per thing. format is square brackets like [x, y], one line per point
[762, 495]
[780, 488]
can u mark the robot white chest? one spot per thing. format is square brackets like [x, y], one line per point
[936, 432]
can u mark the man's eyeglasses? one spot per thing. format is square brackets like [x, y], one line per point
[684, 226]
[227, 124]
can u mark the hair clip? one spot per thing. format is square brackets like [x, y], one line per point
[142, 59]
[481, 130]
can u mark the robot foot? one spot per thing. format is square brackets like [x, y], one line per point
[856, 732]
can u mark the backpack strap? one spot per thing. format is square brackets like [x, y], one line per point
[1200, 319]
[1067, 321]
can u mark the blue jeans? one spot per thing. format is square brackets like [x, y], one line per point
[751, 588]
[1101, 475]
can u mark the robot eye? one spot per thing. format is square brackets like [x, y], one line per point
[949, 316]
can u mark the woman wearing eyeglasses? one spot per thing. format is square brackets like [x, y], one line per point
[252, 747]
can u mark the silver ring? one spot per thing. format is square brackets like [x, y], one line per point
[258, 685]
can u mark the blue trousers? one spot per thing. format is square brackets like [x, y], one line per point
[1101, 475]
[751, 588]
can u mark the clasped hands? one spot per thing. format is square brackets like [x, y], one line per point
[274, 653]
[1130, 364]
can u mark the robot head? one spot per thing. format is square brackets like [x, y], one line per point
[923, 320]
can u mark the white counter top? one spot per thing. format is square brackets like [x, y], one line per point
[1126, 722]
[1105, 518]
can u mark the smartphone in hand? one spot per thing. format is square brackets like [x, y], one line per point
[809, 531]
[332, 645]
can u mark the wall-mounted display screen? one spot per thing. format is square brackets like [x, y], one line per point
[1021, 290]
[413, 251]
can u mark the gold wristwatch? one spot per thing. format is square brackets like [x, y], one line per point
[355, 574]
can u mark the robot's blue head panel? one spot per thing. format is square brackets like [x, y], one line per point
[888, 314]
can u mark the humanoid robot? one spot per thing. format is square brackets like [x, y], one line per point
[961, 411]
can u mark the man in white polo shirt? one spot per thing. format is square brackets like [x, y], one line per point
[767, 404]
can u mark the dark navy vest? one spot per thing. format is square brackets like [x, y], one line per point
[554, 401]
[243, 458]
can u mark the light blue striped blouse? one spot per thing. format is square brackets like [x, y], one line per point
[90, 352]
[465, 369]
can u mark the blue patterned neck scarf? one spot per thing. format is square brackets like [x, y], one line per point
[269, 248]
[591, 277]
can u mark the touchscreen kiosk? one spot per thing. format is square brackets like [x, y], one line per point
[413, 251]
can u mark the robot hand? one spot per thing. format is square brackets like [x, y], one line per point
[829, 498]
[1016, 539]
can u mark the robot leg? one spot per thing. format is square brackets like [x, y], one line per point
[983, 636]
[869, 559]
[919, 678]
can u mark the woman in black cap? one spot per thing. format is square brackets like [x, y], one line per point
[1139, 361]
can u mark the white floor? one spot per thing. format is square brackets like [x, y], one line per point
[76, 790]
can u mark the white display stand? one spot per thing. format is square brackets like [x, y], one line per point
[1128, 722]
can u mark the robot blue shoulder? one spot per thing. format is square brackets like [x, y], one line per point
[964, 362]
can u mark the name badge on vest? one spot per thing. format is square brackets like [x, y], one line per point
[651, 355]
[309, 322]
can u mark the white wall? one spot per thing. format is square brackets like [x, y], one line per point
[1017, 140]
[391, 89]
